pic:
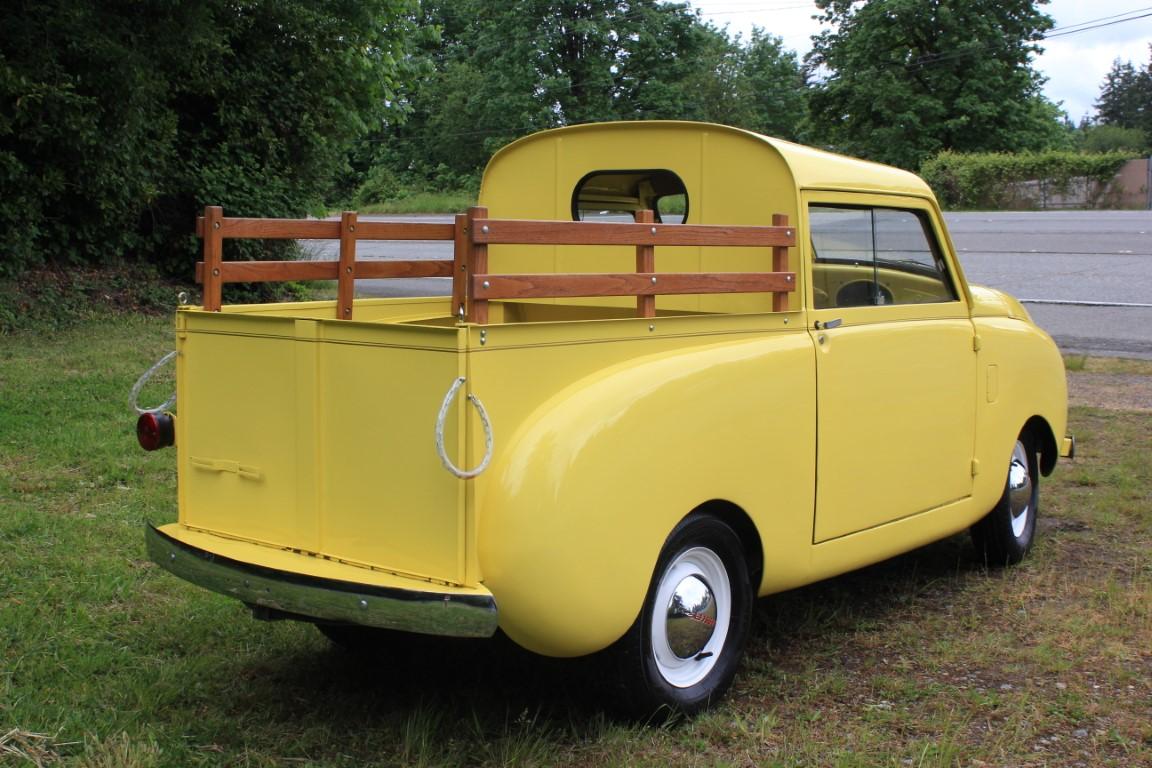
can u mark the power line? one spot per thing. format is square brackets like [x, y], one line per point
[1086, 26]
[1067, 29]
[1096, 26]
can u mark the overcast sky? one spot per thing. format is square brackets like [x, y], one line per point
[1075, 63]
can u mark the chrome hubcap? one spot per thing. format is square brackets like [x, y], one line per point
[691, 617]
[692, 611]
[1019, 489]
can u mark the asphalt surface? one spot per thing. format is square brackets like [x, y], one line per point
[1085, 276]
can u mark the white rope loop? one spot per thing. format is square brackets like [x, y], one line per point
[463, 474]
[133, 398]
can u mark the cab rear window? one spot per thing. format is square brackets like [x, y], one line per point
[616, 195]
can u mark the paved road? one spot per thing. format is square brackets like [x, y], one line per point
[1070, 267]
[1082, 260]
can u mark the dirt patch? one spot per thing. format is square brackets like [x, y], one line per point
[1111, 391]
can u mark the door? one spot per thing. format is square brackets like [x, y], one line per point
[896, 365]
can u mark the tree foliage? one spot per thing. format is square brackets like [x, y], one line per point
[901, 80]
[118, 119]
[497, 72]
[1126, 99]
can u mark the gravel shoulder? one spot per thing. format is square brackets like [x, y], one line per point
[1110, 383]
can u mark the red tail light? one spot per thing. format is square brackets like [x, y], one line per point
[155, 429]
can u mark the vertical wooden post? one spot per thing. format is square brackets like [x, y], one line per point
[646, 262]
[478, 265]
[779, 264]
[461, 268]
[213, 257]
[346, 276]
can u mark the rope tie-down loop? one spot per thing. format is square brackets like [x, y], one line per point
[463, 474]
[134, 396]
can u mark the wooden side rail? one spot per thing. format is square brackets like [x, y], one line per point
[213, 271]
[645, 283]
[472, 233]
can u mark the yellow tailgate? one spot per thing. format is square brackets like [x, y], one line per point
[319, 436]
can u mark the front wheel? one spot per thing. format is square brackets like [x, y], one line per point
[1004, 535]
[683, 651]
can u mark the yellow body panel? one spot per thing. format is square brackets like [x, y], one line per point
[602, 465]
[300, 434]
[841, 435]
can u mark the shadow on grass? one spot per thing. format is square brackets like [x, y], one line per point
[491, 688]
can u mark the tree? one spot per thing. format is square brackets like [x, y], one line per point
[119, 119]
[774, 86]
[1126, 98]
[900, 80]
[498, 72]
[1112, 138]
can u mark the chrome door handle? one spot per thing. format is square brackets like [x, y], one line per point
[828, 325]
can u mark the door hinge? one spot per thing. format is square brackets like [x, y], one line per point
[975, 343]
[975, 467]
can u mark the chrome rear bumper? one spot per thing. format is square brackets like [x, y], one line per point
[327, 600]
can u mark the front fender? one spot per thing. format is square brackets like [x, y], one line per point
[581, 501]
[1021, 382]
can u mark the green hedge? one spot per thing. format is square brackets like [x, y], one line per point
[991, 180]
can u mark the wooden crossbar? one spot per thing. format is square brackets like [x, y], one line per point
[555, 286]
[471, 233]
[510, 231]
[284, 271]
[311, 229]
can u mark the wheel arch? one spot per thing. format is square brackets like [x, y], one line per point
[1044, 442]
[745, 529]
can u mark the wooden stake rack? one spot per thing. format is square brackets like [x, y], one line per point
[471, 233]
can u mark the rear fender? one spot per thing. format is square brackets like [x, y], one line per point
[582, 500]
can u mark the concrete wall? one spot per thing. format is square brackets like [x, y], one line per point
[1128, 189]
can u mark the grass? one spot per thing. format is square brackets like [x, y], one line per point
[925, 660]
[424, 202]
[1108, 365]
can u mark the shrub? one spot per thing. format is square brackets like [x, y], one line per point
[1001, 180]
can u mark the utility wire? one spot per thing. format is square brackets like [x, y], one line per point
[1065, 29]
[1096, 26]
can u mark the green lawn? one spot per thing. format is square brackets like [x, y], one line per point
[925, 660]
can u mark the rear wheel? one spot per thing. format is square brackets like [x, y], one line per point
[683, 651]
[1004, 535]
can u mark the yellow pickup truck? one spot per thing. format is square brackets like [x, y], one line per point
[682, 366]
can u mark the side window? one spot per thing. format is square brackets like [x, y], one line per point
[618, 195]
[868, 256]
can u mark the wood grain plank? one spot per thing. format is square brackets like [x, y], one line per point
[461, 268]
[510, 231]
[273, 271]
[213, 258]
[779, 264]
[346, 273]
[280, 229]
[554, 286]
[388, 230]
[422, 268]
[477, 306]
[646, 264]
